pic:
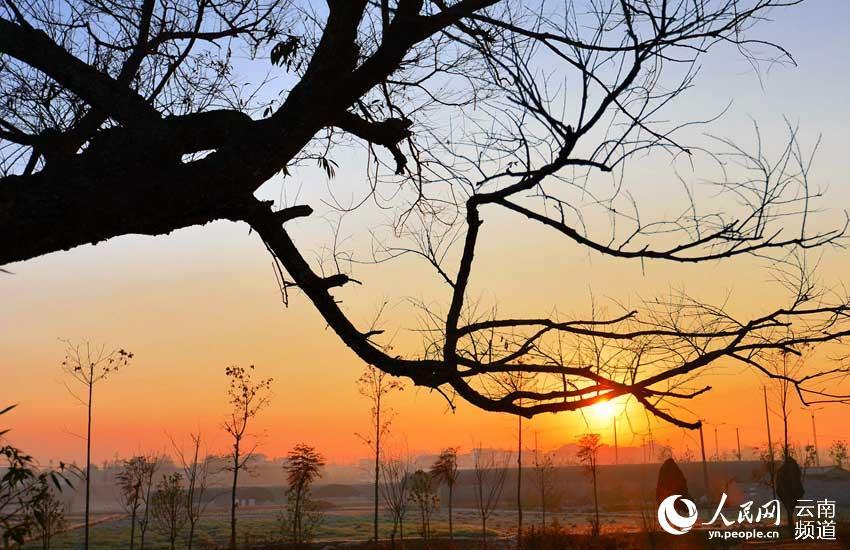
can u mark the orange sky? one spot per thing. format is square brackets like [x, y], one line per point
[191, 303]
[187, 312]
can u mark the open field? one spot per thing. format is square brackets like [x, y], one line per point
[347, 516]
[346, 527]
[260, 525]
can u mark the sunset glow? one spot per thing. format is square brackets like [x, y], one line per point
[604, 411]
[192, 303]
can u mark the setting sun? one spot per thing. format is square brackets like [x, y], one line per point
[604, 411]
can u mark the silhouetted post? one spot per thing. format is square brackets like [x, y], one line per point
[88, 457]
[378, 428]
[616, 448]
[716, 446]
[815, 437]
[519, 484]
[738, 439]
[704, 463]
[769, 444]
[651, 450]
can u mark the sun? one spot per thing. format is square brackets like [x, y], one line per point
[603, 411]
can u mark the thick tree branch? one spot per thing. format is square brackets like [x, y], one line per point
[389, 133]
[35, 48]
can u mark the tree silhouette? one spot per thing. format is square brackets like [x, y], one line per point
[375, 385]
[784, 367]
[477, 116]
[150, 467]
[423, 494]
[838, 453]
[134, 480]
[544, 479]
[489, 474]
[303, 467]
[196, 470]
[396, 472]
[21, 489]
[87, 364]
[246, 398]
[518, 383]
[168, 507]
[587, 455]
[444, 470]
[788, 478]
[48, 514]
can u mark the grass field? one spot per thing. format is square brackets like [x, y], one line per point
[350, 528]
[260, 525]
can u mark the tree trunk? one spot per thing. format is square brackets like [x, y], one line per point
[484, 531]
[191, 536]
[394, 532]
[298, 535]
[88, 462]
[451, 528]
[785, 451]
[377, 464]
[143, 531]
[190, 500]
[543, 503]
[424, 527]
[233, 496]
[597, 527]
[133, 525]
[519, 485]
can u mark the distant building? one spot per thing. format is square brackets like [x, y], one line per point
[246, 497]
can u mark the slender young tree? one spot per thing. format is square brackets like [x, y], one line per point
[303, 466]
[48, 513]
[168, 507]
[588, 455]
[195, 472]
[396, 472]
[375, 384]
[544, 477]
[151, 466]
[784, 367]
[445, 471]
[519, 482]
[246, 398]
[489, 474]
[87, 364]
[131, 481]
[838, 453]
[519, 383]
[788, 478]
[809, 460]
[424, 496]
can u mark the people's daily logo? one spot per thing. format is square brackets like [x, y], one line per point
[673, 522]
[813, 520]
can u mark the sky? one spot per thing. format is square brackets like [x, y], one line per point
[191, 303]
